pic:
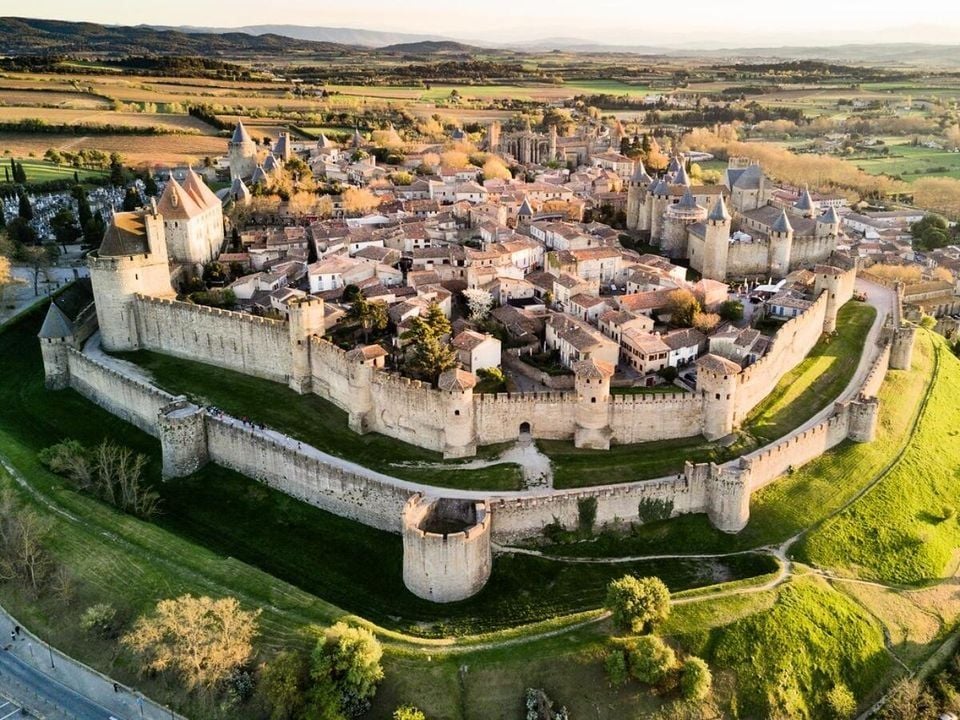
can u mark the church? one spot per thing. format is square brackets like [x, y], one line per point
[731, 230]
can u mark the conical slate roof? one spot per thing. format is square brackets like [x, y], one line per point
[239, 191]
[806, 201]
[688, 201]
[357, 137]
[675, 165]
[830, 216]
[270, 163]
[660, 187]
[56, 324]
[749, 178]
[240, 134]
[681, 178]
[782, 223]
[640, 174]
[323, 142]
[525, 208]
[259, 176]
[718, 213]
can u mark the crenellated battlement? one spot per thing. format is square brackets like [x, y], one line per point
[210, 311]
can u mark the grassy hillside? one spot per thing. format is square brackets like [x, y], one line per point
[786, 658]
[905, 530]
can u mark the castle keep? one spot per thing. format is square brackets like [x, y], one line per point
[730, 230]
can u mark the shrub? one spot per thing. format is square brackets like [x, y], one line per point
[732, 311]
[651, 659]
[100, 620]
[841, 702]
[408, 712]
[616, 667]
[650, 509]
[586, 514]
[637, 604]
[695, 679]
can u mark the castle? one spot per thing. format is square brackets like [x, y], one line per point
[749, 238]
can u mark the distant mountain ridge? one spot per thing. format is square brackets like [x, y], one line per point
[343, 36]
[31, 36]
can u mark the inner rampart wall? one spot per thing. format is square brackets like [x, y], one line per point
[793, 342]
[237, 341]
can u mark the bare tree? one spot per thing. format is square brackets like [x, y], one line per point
[23, 556]
[199, 638]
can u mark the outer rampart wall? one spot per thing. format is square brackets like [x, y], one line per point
[237, 341]
[551, 416]
[136, 402]
[643, 418]
[360, 497]
[408, 410]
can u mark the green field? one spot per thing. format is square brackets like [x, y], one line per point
[910, 163]
[905, 530]
[817, 381]
[38, 171]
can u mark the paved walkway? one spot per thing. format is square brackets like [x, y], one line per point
[56, 687]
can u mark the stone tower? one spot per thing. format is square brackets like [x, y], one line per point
[182, 428]
[781, 245]
[241, 153]
[863, 415]
[592, 383]
[459, 437]
[828, 224]
[828, 280]
[661, 198]
[717, 383]
[805, 205]
[716, 241]
[493, 136]
[676, 224]
[636, 195]
[901, 351]
[132, 259]
[552, 149]
[306, 317]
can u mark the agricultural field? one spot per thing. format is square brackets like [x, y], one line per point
[60, 116]
[157, 151]
[911, 162]
[52, 98]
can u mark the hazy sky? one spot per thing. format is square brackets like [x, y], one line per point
[737, 23]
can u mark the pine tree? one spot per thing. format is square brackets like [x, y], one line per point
[430, 355]
[84, 215]
[21, 174]
[131, 201]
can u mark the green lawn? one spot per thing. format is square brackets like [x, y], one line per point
[905, 530]
[577, 467]
[798, 500]
[41, 171]
[817, 381]
[320, 423]
[911, 163]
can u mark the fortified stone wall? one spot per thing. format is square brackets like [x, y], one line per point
[549, 415]
[791, 345]
[808, 251]
[237, 341]
[136, 402]
[362, 496]
[408, 410]
[643, 418]
[748, 258]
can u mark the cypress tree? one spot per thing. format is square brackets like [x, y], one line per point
[26, 209]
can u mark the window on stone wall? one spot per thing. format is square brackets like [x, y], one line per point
[718, 396]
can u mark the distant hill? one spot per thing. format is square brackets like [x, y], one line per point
[28, 36]
[344, 36]
[432, 47]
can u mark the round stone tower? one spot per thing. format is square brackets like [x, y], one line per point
[716, 242]
[447, 554]
[781, 245]
[241, 153]
[636, 193]
[717, 383]
[676, 224]
[661, 198]
[592, 383]
[863, 415]
[182, 428]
